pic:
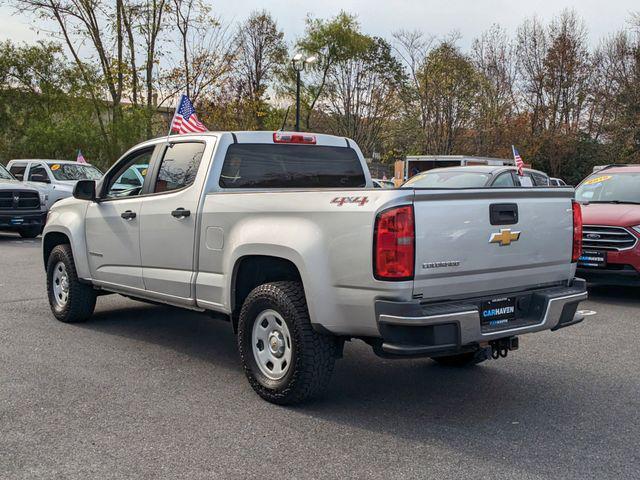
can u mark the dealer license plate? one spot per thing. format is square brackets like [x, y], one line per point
[498, 312]
[593, 259]
[16, 221]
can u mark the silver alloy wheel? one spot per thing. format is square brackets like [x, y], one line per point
[60, 283]
[271, 344]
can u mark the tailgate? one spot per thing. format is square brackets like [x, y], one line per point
[459, 253]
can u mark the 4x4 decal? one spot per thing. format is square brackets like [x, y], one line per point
[360, 201]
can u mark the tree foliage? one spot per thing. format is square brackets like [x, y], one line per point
[113, 71]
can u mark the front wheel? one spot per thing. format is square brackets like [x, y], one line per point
[284, 358]
[71, 301]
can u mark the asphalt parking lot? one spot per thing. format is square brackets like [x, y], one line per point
[145, 391]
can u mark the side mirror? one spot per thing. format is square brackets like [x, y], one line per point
[85, 190]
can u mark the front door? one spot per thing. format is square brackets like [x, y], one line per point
[168, 221]
[113, 228]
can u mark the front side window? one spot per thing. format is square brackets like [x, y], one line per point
[610, 188]
[179, 166]
[18, 171]
[37, 173]
[72, 171]
[291, 166]
[118, 185]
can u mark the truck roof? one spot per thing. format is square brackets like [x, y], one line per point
[262, 137]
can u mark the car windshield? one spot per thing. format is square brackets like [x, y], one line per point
[72, 171]
[4, 173]
[610, 188]
[448, 179]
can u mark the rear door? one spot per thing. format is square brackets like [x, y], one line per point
[169, 217]
[463, 249]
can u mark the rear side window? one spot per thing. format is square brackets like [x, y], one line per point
[291, 166]
[541, 180]
[18, 171]
[179, 166]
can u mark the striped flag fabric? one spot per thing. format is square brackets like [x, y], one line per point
[80, 157]
[518, 159]
[185, 119]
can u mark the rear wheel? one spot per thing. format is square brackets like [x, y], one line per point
[71, 301]
[460, 360]
[286, 361]
[30, 232]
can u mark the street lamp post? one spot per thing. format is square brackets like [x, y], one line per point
[298, 65]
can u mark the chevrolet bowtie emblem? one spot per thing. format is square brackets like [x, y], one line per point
[505, 237]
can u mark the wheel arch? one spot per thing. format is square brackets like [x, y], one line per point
[252, 270]
[50, 241]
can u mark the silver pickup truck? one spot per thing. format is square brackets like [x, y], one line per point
[283, 235]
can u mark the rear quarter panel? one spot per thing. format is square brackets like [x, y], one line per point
[331, 245]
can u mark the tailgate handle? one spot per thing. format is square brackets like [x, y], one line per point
[503, 213]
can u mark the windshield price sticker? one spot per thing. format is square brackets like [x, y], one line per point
[600, 179]
[55, 167]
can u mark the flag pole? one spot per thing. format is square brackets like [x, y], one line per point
[173, 118]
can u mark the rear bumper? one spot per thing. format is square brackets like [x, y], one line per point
[409, 328]
[18, 220]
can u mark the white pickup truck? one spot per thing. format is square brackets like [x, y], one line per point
[284, 235]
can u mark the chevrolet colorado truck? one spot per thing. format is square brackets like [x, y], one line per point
[22, 206]
[283, 235]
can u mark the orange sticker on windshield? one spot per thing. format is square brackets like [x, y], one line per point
[144, 172]
[593, 181]
[55, 167]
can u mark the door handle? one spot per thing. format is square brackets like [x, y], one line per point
[128, 215]
[181, 213]
[503, 213]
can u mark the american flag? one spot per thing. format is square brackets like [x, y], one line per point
[80, 157]
[185, 119]
[518, 160]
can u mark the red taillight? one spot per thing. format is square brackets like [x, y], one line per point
[288, 137]
[393, 244]
[577, 231]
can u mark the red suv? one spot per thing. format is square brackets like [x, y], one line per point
[610, 201]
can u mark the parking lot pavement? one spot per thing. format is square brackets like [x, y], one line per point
[154, 392]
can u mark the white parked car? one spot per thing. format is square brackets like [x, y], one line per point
[557, 182]
[57, 177]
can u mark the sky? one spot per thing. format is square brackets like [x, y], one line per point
[383, 17]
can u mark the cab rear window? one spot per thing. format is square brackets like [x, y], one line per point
[291, 166]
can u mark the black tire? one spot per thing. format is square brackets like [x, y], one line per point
[30, 232]
[81, 299]
[460, 360]
[313, 354]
